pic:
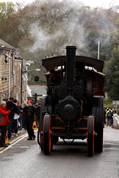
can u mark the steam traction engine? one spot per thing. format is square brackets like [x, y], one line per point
[73, 107]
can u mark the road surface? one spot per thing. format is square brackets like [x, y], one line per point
[24, 159]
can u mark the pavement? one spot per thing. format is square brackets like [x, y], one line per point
[15, 138]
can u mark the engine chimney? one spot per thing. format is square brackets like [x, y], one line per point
[70, 66]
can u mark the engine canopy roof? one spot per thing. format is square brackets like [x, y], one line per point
[53, 62]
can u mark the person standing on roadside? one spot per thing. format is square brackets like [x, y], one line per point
[28, 115]
[4, 122]
[109, 117]
[37, 113]
[11, 105]
[16, 112]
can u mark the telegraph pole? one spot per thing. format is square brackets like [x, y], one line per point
[98, 56]
[21, 80]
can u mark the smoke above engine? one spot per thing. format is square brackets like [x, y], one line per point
[67, 22]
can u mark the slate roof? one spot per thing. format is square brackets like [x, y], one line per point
[5, 44]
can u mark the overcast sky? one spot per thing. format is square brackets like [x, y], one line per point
[92, 3]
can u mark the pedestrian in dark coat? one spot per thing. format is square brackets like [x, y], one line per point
[37, 112]
[28, 115]
[11, 105]
[109, 117]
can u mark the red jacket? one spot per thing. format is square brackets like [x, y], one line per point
[4, 119]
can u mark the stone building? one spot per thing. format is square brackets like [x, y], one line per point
[11, 83]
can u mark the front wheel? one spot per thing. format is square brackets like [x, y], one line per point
[46, 135]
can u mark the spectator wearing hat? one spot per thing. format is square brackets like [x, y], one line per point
[4, 122]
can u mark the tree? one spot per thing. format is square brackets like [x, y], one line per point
[45, 29]
[112, 75]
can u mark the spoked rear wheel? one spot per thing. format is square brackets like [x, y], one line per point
[90, 125]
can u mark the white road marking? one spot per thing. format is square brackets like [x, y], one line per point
[14, 142]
